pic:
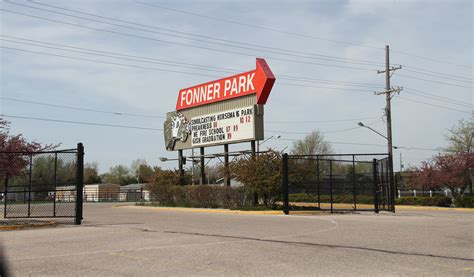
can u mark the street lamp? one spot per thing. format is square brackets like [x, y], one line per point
[390, 157]
[164, 159]
[362, 125]
[260, 143]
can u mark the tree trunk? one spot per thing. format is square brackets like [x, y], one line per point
[255, 198]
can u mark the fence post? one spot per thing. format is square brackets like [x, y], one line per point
[330, 183]
[55, 182]
[5, 196]
[318, 168]
[79, 182]
[29, 187]
[375, 176]
[399, 194]
[431, 193]
[414, 193]
[286, 208]
[354, 190]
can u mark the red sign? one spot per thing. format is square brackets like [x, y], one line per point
[259, 81]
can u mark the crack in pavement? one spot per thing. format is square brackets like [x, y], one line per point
[324, 245]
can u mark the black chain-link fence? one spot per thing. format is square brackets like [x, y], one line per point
[42, 184]
[337, 182]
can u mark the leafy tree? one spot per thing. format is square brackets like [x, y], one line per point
[453, 171]
[162, 184]
[444, 171]
[146, 172]
[12, 164]
[424, 178]
[91, 173]
[261, 174]
[118, 174]
[460, 142]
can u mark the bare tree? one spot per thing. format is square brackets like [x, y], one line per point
[312, 144]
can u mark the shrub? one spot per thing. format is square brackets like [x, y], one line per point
[466, 201]
[203, 196]
[440, 201]
[343, 198]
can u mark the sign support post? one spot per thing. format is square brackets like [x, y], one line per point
[226, 165]
[180, 167]
[203, 172]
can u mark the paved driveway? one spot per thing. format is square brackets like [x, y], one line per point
[122, 241]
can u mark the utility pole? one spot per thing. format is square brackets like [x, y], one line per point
[389, 92]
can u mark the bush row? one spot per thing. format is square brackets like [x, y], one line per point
[230, 197]
[343, 198]
[440, 201]
[466, 201]
[202, 196]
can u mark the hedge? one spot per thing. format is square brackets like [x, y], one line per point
[465, 201]
[343, 198]
[440, 201]
[202, 196]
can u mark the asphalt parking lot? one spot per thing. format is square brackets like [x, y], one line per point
[131, 241]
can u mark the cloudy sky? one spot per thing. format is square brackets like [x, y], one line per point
[132, 57]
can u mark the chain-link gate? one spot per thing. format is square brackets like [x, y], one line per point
[335, 182]
[44, 184]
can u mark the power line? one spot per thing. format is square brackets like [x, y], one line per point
[326, 57]
[296, 34]
[80, 122]
[430, 59]
[195, 35]
[259, 27]
[336, 88]
[433, 81]
[438, 76]
[438, 73]
[158, 69]
[305, 133]
[372, 144]
[182, 37]
[175, 71]
[182, 44]
[112, 53]
[171, 63]
[439, 98]
[137, 115]
[434, 105]
[157, 129]
[110, 63]
[322, 132]
[322, 121]
[111, 56]
[77, 108]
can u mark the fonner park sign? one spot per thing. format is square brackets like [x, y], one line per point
[228, 110]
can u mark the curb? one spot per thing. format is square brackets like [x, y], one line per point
[201, 210]
[431, 208]
[26, 226]
[227, 211]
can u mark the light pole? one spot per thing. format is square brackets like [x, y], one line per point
[260, 143]
[181, 161]
[373, 130]
[390, 158]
